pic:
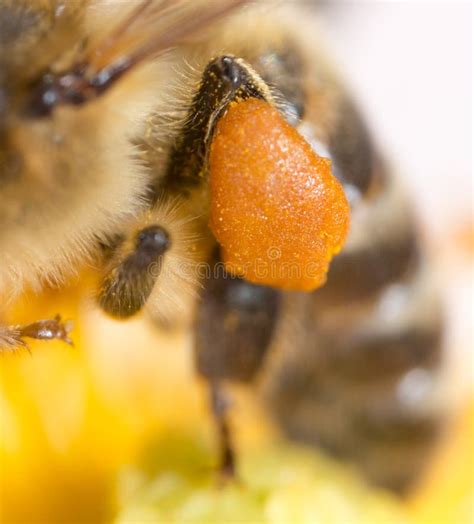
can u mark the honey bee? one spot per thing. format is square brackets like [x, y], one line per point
[109, 120]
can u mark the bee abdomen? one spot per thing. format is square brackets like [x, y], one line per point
[360, 379]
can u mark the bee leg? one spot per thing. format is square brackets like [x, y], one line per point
[225, 79]
[132, 272]
[12, 337]
[235, 323]
[220, 404]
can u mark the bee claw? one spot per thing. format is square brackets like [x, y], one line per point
[226, 475]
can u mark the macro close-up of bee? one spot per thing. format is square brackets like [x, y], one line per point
[200, 167]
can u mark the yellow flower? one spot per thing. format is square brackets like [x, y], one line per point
[117, 429]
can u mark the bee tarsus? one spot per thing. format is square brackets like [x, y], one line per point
[12, 337]
[220, 404]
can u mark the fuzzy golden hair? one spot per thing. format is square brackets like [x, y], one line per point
[71, 180]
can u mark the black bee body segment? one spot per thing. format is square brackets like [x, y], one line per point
[351, 148]
[224, 80]
[129, 283]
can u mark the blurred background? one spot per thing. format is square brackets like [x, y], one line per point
[117, 429]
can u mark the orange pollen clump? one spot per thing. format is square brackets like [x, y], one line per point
[276, 209]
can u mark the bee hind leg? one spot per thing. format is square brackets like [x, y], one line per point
[224, 80]
[12, 337]
[235, 323]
